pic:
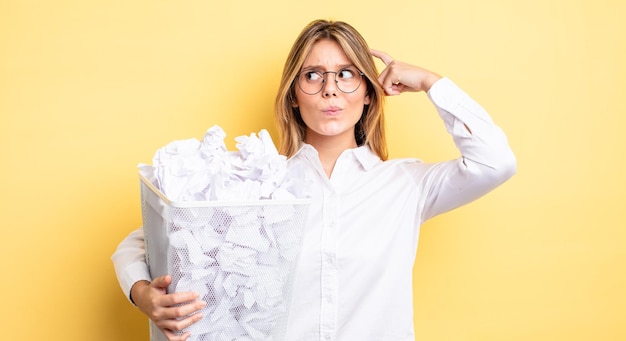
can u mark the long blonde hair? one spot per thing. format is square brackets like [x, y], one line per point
[370, 130]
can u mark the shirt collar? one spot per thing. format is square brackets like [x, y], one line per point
[366, 157]
[363, 154]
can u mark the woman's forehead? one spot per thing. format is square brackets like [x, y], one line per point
[326, 54]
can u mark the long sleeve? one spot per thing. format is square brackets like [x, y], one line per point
[130, 261]
[486, 159]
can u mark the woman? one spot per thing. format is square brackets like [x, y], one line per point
[354, 276]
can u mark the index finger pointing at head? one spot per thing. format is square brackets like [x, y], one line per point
[382, 56]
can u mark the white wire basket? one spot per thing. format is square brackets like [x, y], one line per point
[238, 255]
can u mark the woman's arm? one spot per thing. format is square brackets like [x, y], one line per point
[486, 159]
[150, 296]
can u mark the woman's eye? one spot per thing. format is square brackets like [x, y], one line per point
[346, 73]
[312, 76]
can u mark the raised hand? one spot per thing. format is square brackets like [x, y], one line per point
[399, 77]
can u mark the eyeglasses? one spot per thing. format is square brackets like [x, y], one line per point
[312, 82]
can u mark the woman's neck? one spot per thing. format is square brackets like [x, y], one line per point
[329, 149]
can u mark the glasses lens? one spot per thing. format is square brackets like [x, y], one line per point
[347, 80]
[311, 82]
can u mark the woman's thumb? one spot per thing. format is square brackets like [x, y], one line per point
[162, 282]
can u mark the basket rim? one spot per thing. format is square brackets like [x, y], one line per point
[220, 203]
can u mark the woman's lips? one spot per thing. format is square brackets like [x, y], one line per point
[332, 110]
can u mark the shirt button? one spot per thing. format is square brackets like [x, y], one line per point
[327, 337]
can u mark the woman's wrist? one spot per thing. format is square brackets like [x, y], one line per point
[430, 80]
[136, 288]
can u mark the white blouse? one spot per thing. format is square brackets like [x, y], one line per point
[353, 280]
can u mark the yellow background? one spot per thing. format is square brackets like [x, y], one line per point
[88, 89]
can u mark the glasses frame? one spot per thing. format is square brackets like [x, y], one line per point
[361, 74]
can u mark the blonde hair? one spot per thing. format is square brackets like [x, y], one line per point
[370, 130]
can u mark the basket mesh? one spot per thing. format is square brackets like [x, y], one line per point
[239, 258]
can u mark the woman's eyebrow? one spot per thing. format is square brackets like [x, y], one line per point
[320, 67]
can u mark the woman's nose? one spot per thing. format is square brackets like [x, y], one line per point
[330, 86]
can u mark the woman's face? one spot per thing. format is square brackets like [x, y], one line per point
[330, 113]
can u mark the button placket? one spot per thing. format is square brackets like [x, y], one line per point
[329, 271]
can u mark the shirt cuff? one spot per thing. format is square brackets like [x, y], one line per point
[132, 274]
[452, 100]
[445, 92]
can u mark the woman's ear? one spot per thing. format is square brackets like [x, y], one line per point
[367, 99]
